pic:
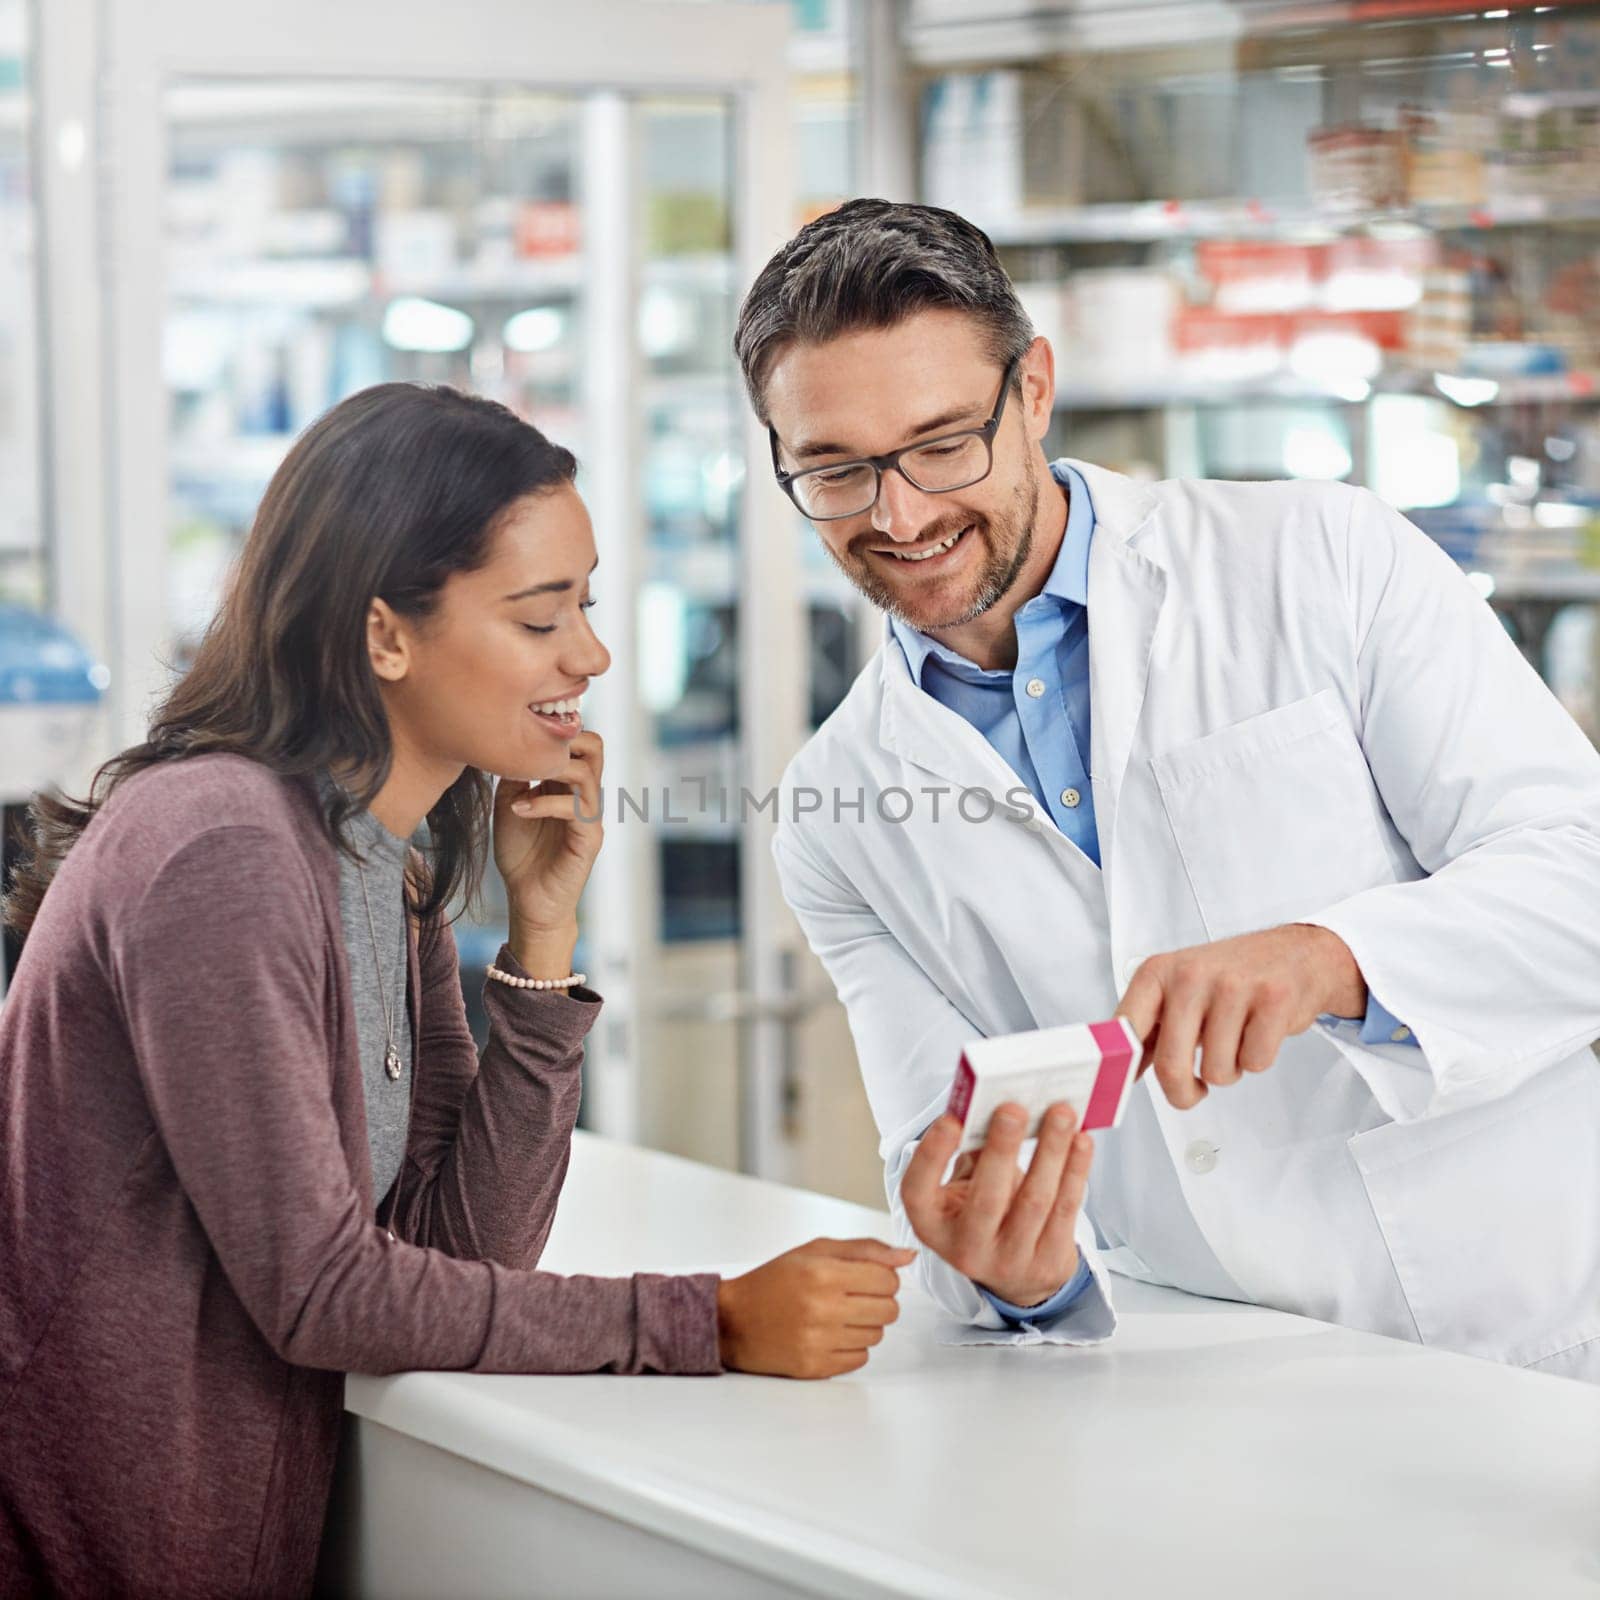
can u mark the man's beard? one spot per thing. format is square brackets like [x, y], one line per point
[1007, 546]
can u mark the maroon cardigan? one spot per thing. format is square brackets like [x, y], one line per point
[190, 1255]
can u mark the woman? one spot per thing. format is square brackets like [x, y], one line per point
[248, 1143]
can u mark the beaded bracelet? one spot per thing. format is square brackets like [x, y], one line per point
[572, 980]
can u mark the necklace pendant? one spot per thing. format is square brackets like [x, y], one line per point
[391, 1064]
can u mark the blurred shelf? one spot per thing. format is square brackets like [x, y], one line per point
[678, 388]
[301, 283]
[978, 33]
[1569, 588]
[250, 459]
[819, 54]
[242, 459]
[712, 270]
[332, 282]
[530, 279]
[1150, 221]
[1002, 33]
[1542, 389]
[1158, 397]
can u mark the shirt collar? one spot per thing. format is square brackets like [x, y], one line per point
[1068, 580]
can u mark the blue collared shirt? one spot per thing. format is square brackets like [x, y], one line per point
[1021, 712]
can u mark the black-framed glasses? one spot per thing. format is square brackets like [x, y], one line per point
[936, 466]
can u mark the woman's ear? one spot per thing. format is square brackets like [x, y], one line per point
[388, 644]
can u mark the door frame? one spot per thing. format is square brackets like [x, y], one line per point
[611, 50]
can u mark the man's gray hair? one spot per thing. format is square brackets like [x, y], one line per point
[871, 264]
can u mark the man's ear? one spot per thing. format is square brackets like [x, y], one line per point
[388, 643]
[1038, 373]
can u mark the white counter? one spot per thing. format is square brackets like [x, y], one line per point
[1207, 1450]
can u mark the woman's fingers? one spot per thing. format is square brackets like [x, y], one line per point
[868, 1311]
[588, 753]
[852, 1339]
[577, 784]
[873, 1251]
[849, 1361]
[555, 807]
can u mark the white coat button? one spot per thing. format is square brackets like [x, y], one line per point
[1201, 1156]
[1400, 1034]
[1035, 688]
[1070, 798]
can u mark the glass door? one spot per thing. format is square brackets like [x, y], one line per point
[554, 206]
[23, 568]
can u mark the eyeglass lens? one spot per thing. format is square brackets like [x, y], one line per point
[851, 488]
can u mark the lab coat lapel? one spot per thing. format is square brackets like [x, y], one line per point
[916, 728]
[1127, 589]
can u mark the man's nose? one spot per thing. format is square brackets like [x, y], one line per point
[901, 511]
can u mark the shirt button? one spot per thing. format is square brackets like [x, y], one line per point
[1400, 1034]
[1201, 1156]
[1070, 798]
[1035, 688]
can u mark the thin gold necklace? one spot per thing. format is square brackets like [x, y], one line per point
[391, 1054]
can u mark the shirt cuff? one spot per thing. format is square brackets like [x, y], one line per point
[1053, 1307]
[1382, 1026]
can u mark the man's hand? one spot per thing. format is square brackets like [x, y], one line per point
[1237, 1000]
[1011, 1233]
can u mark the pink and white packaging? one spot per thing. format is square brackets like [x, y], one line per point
[1091, 1065]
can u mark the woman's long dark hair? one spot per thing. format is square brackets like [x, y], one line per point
[387, 495]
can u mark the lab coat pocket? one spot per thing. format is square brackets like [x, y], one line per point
[1275, 817]
[1492, 1217]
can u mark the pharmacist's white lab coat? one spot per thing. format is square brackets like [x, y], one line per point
[1301, 711]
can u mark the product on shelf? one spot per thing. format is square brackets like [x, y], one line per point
[548, 228]
[1355, 273]
[1336, 349]
[1252, 276]
[1439, 326]
[1224, 347]
[688, 223]
[997, 143]
[1121, 325]
[1444, 155]
[1544, 152]
[411, 247]
[1047, 307]
[1357, 167]
[1361, 273]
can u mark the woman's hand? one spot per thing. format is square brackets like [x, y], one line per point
[814, 1312]
[545, 850]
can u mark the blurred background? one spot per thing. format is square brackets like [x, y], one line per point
[1355, 240]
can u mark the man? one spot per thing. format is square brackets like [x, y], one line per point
[1252, 764]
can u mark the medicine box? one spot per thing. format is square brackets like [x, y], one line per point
[1090, 1065]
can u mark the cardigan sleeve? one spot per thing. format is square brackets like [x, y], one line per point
[490, 1140]
[223, 996]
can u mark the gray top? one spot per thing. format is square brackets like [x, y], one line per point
[376, 981]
